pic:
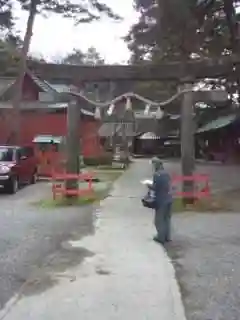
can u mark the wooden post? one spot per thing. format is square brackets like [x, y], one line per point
[187, 140]
[114, 138]
[114, 125]
[125, 142]
[73, 143]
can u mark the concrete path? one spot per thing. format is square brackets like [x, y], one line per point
[126, 276]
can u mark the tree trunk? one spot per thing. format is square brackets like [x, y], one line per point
[15, 135]
[232, 24]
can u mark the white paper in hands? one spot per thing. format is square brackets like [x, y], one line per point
[147, 182]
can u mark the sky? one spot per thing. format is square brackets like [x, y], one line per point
[54, 37]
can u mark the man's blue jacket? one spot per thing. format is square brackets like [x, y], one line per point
[162, 188]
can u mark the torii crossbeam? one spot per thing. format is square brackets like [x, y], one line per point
[196, 69]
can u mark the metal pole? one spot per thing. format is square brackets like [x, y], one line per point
[73, 143]
[187, 141]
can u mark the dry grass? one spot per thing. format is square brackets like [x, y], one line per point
[217, 203]
[107, 176]
[74, 201]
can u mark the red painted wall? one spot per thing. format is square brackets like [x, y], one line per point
[35, 123]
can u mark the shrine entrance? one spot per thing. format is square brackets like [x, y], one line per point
[185, 75]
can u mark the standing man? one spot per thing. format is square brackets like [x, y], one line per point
[162, 188]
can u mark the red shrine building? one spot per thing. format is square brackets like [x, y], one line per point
[39, 117]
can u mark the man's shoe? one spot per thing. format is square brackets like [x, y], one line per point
[157, 240]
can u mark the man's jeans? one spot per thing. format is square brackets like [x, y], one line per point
[163, 222]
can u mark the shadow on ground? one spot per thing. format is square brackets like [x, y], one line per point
[58, 262]
[33, 241]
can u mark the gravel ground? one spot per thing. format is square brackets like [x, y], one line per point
[32, 240]
[206, 255]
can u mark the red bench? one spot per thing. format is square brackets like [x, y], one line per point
[59, 184]
[201, 192]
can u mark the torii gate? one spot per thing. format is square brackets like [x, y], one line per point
[187, 128]
[186, 74]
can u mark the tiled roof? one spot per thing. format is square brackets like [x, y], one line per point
[60, 87]
[44, 85]
[36, 105]
[218, 123]
[48, 139]
[132, 129]
[108, 130]
[149, 136]
[146, 125]
[5, 83]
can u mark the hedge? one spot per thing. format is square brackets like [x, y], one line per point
[98, 161]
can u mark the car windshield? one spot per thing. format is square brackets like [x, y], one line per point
[6, 154]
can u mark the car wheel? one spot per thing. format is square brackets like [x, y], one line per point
[13, 185]
[34, 177]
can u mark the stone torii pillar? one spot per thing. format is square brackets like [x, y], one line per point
[73, 142]
[187, 138]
